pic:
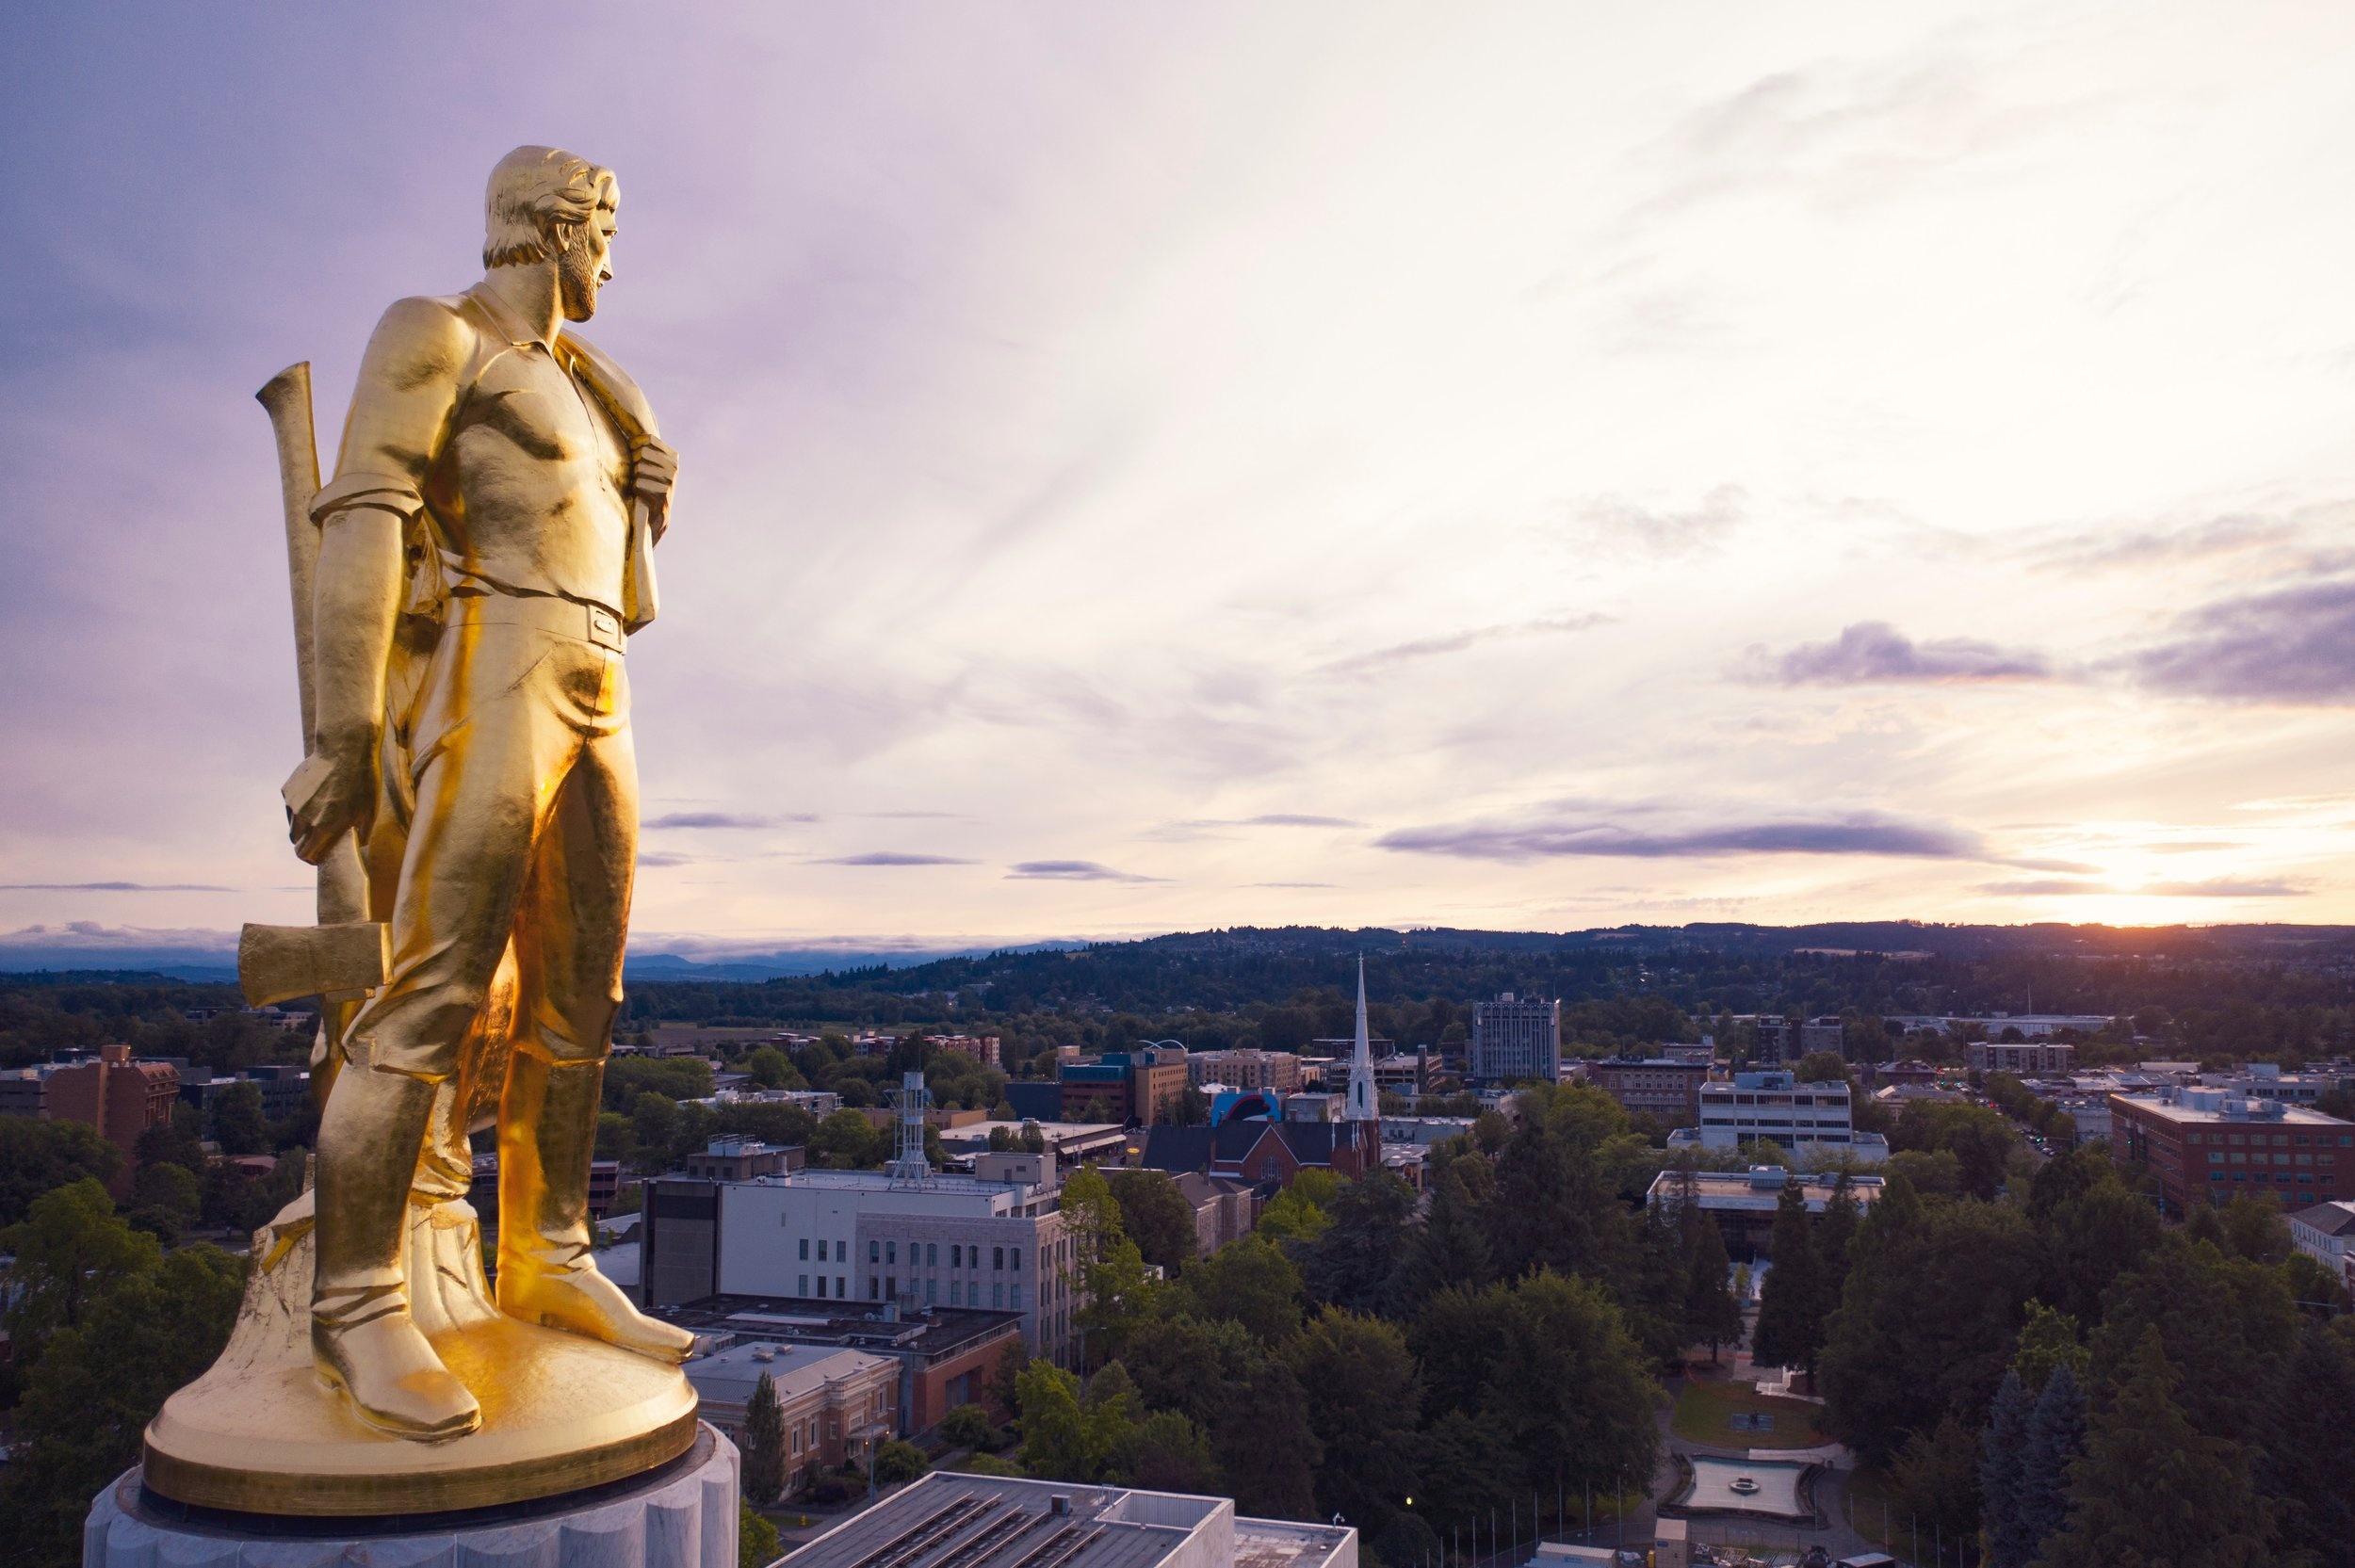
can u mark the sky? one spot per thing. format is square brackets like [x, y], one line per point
[1162, 466]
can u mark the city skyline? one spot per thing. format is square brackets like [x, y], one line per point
[1149, 471]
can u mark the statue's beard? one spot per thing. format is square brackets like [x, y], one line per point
[576, 269]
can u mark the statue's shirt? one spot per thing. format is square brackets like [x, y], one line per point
[522, 470]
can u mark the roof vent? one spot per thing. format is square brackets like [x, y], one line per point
[1060, 1504]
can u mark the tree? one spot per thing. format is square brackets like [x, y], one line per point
[1793, 1303]
[71, 1250]
[1266, 1446]
[1294, 1213]
[1166, 1452]
[1822, 1067]
[770, 1068]
[1004, 1386]
[165, 1199]
[970, 1426]
[756, 1543]
[2048, 1340]
[2307, 1464]
[2090, 1238]
[1064, 1438]
[847, 1141]
[1447, 1247]
[2057, 1435]
[1835, 1232]
[1365, 1399]
[2002, 1447]
[898, 1462]
[2152, 1489]
[764, 1444]
[1250, 1281]
[240, 1126]
[1155, 1216]
[136, 1338]
[1352, 1263]
[1935, 1478]
[38, 1156]
[655, 1120]
[1711, 1313]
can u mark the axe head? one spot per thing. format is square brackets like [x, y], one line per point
[277, 963]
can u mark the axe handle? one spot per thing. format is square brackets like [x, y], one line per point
[286, 397]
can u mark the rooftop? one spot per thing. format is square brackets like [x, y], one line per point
[730, 1376]
[947, 1520]
[933, 1332]
[1760, 1190]
[2332, 1219]
[2217, 1106]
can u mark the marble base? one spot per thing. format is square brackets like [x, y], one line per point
[681, 1515]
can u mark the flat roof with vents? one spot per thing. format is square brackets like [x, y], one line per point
[947, 1520]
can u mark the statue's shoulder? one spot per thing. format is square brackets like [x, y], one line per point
[423, 333]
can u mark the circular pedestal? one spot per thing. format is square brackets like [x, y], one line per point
[680, 1515]
[261, 1432]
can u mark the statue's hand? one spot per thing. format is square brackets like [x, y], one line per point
[653, 470]
[330, 794]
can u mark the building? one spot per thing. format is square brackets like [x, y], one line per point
[2206, 1145]
[2265, 1080]
[1807, 1119]
[120, 1097]
[2326, 1232]
[1070, 1142]
[980, 1047]
[867, 1235]
[1278, 1071]
[2024, 1058]
[1742, 1203]
[1254, 1151]
[1513, 1037]
[24, 1091]
[1666, 1090]
[942, 1358]
[952, 1520]
[838, 1404]
[482, 1193]
[736, 1160]
[1143, 1086]
[1225, 1210]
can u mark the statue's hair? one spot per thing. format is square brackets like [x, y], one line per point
[531, 191]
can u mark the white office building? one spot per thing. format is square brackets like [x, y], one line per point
[1811, 1120]
[1515, 1037]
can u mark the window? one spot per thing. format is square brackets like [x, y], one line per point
[805, 1256]
[956, 1293]
[875, 1288]
[1017, 1263]
[932, 1254]
[805, 1290]
[841, 1287]
[997, 1296]
[875, 1251]
[822, 1251]
[891, 1288]
[931, 1291]
[956, 1255]
[891, 1251]
[997, 1257]
[1015, 1300]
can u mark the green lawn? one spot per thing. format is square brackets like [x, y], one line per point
[1869, 1507]
[1705, 1411]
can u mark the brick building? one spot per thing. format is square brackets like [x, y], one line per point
[120, 1097]
[839, 1404]
[1667, 1091]
[2206, 1145]
[1245, 1069]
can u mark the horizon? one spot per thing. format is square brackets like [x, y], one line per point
[1145, 473]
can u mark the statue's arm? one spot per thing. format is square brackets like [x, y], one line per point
[400, 417]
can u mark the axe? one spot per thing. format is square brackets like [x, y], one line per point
[346, 955]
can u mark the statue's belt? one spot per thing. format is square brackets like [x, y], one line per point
[541, 612]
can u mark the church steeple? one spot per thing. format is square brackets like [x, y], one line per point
[1363, 1105]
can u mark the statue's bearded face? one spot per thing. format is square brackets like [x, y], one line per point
[584, 262]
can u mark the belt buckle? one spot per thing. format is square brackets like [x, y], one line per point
[604, 628]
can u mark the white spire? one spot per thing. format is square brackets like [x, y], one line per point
[1362, 1104]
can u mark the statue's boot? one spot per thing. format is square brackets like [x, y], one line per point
[548, 1267]
[362, 1338]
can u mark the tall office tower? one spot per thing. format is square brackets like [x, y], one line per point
[1516, 1037]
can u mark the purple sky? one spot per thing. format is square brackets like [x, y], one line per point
[1161, 466]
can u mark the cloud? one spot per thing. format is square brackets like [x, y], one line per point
[2293, 645]
[1457, 642]
[1291, 884]
[2215, 887]
[1578, 832]
[2229, 535]
[113, 887]
[723, 819]
[1871, 651]
[1614, 525]
[891, 857]
[92, 933]
[1075, 871]
[656, 860]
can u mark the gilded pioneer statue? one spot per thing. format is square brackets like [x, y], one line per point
[475, 565]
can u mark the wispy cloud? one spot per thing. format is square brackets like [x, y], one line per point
[1457, 642]
[1617, 526]
[1585, 833]
[724, 820]
[891, 857]
[1074, 871]
[2215, 887]
[1875, 651]
[2293, 645]
[112, 887]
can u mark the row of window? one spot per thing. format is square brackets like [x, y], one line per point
[2215, 1156]
[926, 1254]
[2280, 1140]
[2281, 1176]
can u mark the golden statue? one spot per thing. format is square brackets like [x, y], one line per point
[464, 585]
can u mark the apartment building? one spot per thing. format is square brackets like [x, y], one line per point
[1515, 1037]
[120, 1097]
[1807, 1119]
[863, 1236]
[2023, 1058]
[1278, 1071]
[2205, 1145]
